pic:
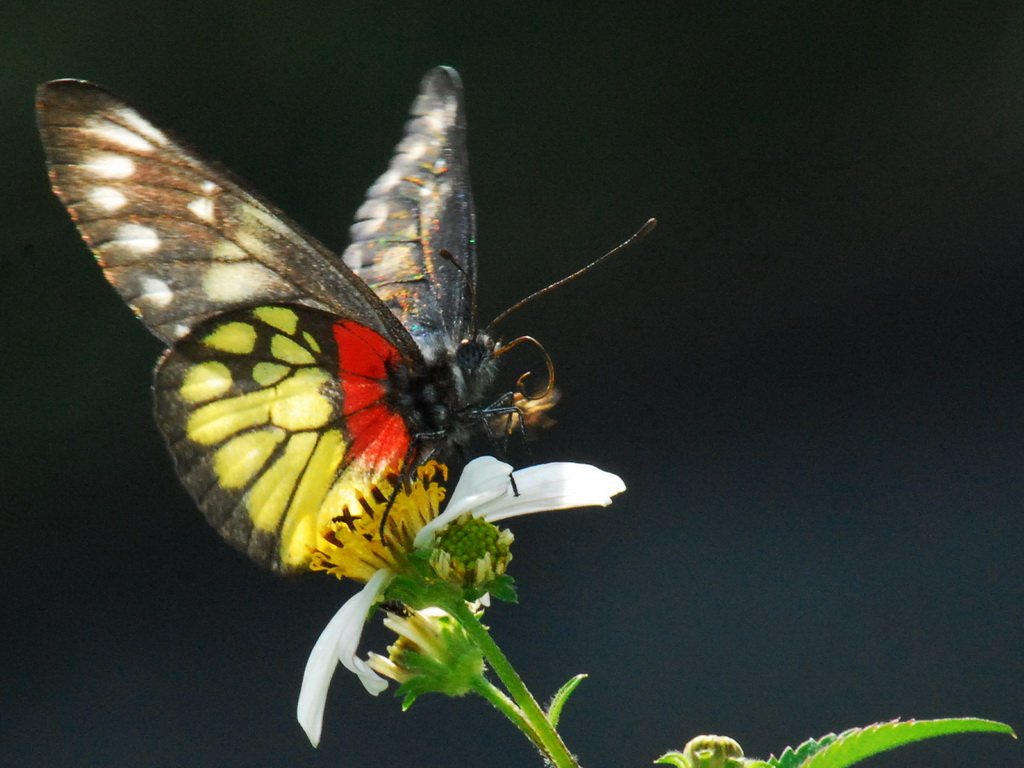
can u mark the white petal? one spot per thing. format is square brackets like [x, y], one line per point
[339, 642]
[485, 489]
[558, 485]
[484, 479]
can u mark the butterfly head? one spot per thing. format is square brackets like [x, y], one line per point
[474, 356]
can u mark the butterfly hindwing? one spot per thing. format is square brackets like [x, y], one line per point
[420, 207]
[278, 419]
[176, 236]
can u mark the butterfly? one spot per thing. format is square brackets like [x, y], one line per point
[295, 379]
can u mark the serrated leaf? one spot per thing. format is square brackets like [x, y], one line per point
[503, 588]
[790, 758]
[857, 744]
[561, 696]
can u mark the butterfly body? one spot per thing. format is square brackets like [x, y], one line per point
[295, 379]
[443, 397]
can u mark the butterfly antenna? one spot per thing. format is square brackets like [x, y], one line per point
[642, 232]
[520, 386]
[445, 254]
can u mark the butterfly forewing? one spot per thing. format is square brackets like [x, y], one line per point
[420, 207]
[176, 236]
[278, 420]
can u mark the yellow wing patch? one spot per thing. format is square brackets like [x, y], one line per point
[311, 341]
[288, 351]
[205, 381]
[299, 402]
[220, 419]
[267, 374]
[269, 496]
[238, 460]
[233, 338]
[281, 318]
[298, 534]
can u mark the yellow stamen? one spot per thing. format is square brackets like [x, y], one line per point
[352, 545]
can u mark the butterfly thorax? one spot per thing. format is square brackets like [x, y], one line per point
[442, 400]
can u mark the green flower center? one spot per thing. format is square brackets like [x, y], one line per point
[469, 539]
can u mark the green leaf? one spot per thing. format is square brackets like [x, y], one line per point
[790, 758]
[559, 699]
[674, 758]
[503, 588]
[409, 697]
[856, 744]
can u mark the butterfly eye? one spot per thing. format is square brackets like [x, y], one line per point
[471, 354]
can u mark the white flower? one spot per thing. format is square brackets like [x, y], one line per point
[485, 491]
[338, 643]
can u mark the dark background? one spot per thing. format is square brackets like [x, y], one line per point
[810, 376]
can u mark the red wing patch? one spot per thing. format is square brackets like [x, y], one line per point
[379, 438]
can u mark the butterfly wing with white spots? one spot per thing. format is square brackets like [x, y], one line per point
[414, 239]
[176, 236]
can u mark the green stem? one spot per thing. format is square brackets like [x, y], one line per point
[543, 733]
[507, 707]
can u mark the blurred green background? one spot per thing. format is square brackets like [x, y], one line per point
[810, 376]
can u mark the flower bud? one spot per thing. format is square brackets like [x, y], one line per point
[471, 553]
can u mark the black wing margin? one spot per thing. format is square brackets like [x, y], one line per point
[423, 205]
